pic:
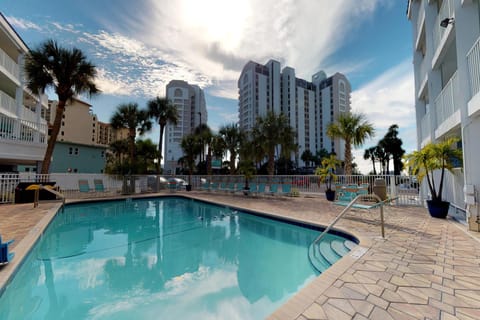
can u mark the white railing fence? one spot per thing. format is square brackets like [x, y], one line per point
[9, 64]
[445, 104]
[403, 187]
[473, 61]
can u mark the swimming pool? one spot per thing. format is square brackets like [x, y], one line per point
[160, 258]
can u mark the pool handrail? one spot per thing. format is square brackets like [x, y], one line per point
[380, 204]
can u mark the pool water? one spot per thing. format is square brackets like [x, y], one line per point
[159, 258]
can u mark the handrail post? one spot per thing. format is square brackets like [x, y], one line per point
[330, 226]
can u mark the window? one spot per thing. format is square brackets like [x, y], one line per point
[178, 92]
[70, 150]
[76, 151]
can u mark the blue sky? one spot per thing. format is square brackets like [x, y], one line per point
[139, 46]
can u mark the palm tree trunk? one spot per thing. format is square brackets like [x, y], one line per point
[160, 147]
[47, 159]
[348, 158]
[232, 162]
[131, 138]
[271, 162]
[373, 163]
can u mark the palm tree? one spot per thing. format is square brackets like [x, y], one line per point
[232, 137]
[393, 146]
[129, 116]
[370, 154]
[273, 130]
[218, 147]
[307, 157]
[354, 129]
[191, 148]
[163, 111]
[67, 72]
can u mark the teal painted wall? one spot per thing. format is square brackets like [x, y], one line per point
[78, 158]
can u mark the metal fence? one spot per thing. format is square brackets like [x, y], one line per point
[403, 187]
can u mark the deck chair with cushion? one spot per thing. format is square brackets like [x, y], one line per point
[98, 185]
[286, 189]
[83, 186]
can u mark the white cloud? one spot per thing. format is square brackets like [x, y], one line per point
[110, 84]
[218, 37]
[23, 24]
[387, 100]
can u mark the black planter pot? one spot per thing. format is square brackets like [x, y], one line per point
[246, 191]
[188, 187]
[438, 209]
[330, 195]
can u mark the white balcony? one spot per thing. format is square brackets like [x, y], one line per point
[447, 107]
[7, 104]
[446, 11]
[473, 62]
[425, 128]
[22, 130]
[9, 65]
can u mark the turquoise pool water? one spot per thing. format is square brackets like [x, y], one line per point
[159, 258]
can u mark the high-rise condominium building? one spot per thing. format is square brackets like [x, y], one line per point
[309, 105]
[23, 131]
[190, 102]
[446, 60]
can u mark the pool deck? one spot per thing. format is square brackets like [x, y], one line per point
[425, 268]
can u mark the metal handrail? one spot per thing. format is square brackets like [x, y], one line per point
[351, 204]
[42, 187]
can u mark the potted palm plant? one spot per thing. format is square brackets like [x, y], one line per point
[327, 175]
[433, 157]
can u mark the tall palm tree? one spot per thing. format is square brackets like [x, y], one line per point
[370, 154]
[354, 129]
[232, 137]
[163, 111]
[191, 149]
[129, 116]
[273, 130]
[393, 146]
[218, 147]
[67, 72]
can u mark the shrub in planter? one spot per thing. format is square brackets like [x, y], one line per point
[327, 175]
[432, 157]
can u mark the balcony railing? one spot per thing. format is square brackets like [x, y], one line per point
[8, 103]
[22, 130]
[446, 11]
[420, 18]
[445, 103]
[473, 61]
[425, 126]
[9, 64]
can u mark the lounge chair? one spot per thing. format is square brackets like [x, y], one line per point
[83, 186]
[231, 187]
[261, 188]
[205, 186]
[240, 187]
[98, 183]
[286, 189]
[223, 186]
[5, 256]
[273, 189]
[252, 188]
[214, 186]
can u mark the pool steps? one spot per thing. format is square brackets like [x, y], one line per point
[322, 255]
